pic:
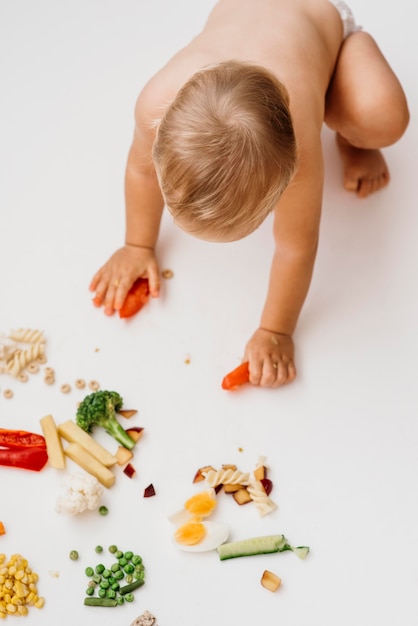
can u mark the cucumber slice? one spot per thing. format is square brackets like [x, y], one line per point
[259, 545]
[250, 547]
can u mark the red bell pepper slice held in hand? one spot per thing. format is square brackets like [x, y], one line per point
[239, 376]
[138, 295]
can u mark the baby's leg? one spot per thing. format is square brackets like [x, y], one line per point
[367, 108]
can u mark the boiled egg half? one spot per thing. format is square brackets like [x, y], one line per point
[193, 532]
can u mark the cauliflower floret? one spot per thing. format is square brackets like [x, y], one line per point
[83, 492]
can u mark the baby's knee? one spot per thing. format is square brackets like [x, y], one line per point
[381, 121]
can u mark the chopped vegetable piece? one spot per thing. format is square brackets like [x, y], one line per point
[270, 581]
[2, 529]
[135, 432]
[242, 496]
[259, 545]
[54, 447]
[31, 458]
[100, 409]
[137, 297]
[88, 462]
[200, 474]
[89, 601]
[132, 586]
[123, 455]
[149, 491]
[127, 413]
[73, 433]
[129, 470]
[267, 485]
[239, 376]
[15, 439]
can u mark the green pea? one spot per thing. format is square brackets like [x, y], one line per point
[129, 597]
[106, 573]
[129, 578]
[100, 568]
[129, 568]
[128, 555]
[104, 584]
[74, 555]
[101, 593]
[113, 549]
[122, 562]
[89, 571]
[118, 554]
[136, 559]
[103, 510]
[110, 593]
[115, 567]
[99, 549]
[90, 591]
[119, 575]
[120, 600]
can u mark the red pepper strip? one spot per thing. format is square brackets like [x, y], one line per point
[20, 439]
[137, 296]
[237, 377]
[31, 458]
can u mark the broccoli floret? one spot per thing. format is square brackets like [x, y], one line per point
[99, 409]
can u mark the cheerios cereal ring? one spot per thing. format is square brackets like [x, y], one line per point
[80, 383]
[94, 385]
[66, 388]
[41, 359]
[49, 379]
[23, 377]
[8, 393]
[33, 368]
[49, 371]
[167, 273]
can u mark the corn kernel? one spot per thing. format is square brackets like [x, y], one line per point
[40, 602]
[11, 608]
[22, 610]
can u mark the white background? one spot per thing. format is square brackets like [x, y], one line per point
[341, 441]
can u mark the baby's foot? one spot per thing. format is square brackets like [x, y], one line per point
[365, 171]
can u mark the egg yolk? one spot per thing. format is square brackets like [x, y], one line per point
[201, 504]
[191, 533]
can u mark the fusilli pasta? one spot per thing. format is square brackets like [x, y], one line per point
[226, 477]
[22, 358]
[263, 503]
[27, 335]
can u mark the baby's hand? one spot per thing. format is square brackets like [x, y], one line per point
[271, 358]
[113, 281]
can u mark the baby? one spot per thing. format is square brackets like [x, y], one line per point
[229, 130]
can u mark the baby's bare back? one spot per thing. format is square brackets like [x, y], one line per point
[298, 40]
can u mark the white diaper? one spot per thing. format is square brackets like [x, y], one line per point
[347, 17]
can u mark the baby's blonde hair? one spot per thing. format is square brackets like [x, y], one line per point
[225, 149]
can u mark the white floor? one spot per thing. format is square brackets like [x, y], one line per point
[341, 442]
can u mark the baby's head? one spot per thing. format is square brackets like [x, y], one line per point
[225, 150]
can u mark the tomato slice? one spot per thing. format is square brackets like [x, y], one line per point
[138, 295]
[237, 377]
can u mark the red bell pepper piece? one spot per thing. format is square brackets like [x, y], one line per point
[237, 377]
[138, 295]
[31, 458]
[20, 439]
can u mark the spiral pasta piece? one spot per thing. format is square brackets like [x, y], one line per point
[22, 358]
[261, 500]
[27, 335]
[226, 477]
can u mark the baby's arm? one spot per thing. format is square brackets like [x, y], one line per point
[144, 205]
[270, 350]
